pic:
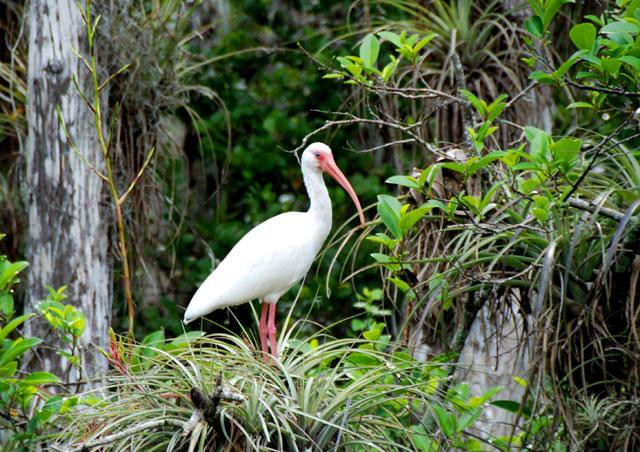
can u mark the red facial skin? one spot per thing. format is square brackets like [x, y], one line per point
[328, 165]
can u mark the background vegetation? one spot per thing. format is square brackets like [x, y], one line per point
[499, 163]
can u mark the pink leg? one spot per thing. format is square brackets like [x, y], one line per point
[262, 328]
[271, 328]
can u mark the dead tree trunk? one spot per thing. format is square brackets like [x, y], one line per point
[67, 235]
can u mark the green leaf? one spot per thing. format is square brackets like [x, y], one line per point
[389, 211]
[611, 66]
[542, 77]
[445, 420]
[384, 239]
[409, 219]
[152, 341]
[551, 9]
[390, 68]
[372, 335]
[566, 149]
[334, 75]
[564, 67]
[9, 273]
[421, 440]
[632, 61]
[583, 36]
[405, 181]
[536, 6]
[534, 26]
[511, 406]
[573, 105]
[391, 37]
[454, 166]
[423, 42]
[475, 165]
[369, 50]
[18, 347]
[620, 27]
[540, 214]
[40, 378]
[478, 104]
[6, 303]
[5, 330]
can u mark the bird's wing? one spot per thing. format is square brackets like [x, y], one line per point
[268, 260]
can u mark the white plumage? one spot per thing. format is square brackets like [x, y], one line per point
[277, 253]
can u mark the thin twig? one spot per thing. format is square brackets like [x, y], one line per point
[598, 89]
[589, 207]
[521, 94]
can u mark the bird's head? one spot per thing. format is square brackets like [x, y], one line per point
[318, 158]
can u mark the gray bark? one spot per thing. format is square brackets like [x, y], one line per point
[67, 235]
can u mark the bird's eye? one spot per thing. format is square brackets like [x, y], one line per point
[317, 154]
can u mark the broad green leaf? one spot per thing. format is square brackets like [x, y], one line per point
[40, 378]
[475, 165]
[333, 75]
[369, 50]
[611, 66]
[384, 239]
[152, 341]
[409, 219]
[564, 67]
[391, 37]
[389, 211]
[9, 327]
[534, 26]
[511, 406]
[551, 9]
[184, 339]
[454, 166]
[620, 27]
[537, 7]
[9, 273]
[583, 36]
[467, 418]
[422, 441]
[446, 420]
[372, 334]
[566, 149]
[405, 181]
[632, 61]
[6, 303]
[542, 77]
[540, 214]
[18, 347]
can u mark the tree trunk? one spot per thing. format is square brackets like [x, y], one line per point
[67, 235]
[498, 346]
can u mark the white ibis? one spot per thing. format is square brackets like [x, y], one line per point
[276, 254]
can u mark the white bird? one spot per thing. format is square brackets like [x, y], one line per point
[277, 253]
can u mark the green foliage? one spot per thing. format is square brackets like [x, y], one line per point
[67, 321]
[322, 392]
[27, 410]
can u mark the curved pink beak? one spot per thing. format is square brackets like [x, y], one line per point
[328, 165]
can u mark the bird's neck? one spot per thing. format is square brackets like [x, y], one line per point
[320, 206]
